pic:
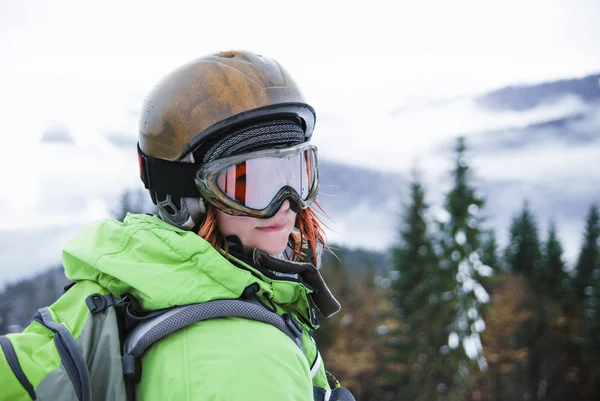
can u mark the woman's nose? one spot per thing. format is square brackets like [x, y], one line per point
[285, 205]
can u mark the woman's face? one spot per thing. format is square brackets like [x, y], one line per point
[270, 235]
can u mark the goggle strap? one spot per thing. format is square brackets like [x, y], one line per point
[165, 177]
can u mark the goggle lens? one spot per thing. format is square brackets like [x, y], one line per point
[255, 182]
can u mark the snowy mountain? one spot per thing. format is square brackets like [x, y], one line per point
[539, 142]
[520, 98]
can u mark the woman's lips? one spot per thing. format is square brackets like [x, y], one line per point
[273, 228]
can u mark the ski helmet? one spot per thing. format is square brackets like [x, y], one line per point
[213, 107]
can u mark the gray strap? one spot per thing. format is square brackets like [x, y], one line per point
[13, 362]
[320, 394]
[69, 355]
[147, 333]
[337, 394]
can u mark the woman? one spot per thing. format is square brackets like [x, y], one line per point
[224, 152]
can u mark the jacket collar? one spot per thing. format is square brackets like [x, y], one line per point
[308, 274]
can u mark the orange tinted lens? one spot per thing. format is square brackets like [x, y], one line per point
[240, 182]
[233, 182]
[310, 164]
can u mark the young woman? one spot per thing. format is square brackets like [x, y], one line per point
[224, 152]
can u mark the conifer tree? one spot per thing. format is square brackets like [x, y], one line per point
[489, 250]
[552, 271]
[461, 241]
[589, 257]
[523, 254]
[416, 369]
[523, 258]
[552, 347]
[586, 288]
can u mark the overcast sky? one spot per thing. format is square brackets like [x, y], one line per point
[65, 60]
[397, 49]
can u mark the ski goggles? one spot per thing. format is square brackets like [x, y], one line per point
[256, 184]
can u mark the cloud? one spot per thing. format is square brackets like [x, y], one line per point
[546, 163]
[61, 184]
[418, 134]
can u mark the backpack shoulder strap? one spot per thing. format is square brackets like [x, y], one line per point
[69, 353]
[13, 362]
[158, 326]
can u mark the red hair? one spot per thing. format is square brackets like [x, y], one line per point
[308, 234]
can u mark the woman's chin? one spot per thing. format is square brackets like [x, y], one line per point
[273, 250]
[273, 247]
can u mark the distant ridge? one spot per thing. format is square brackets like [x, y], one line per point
[122, 141]
[57, 134]
[524, 97]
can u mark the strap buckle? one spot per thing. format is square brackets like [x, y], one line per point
[132, 368]
[292, 324]
[97, 303]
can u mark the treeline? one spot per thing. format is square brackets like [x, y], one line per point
[457, 318]
[20, 301]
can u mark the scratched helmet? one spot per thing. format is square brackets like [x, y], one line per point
[231, 129]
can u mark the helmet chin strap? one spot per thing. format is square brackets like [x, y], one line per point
[185, 216]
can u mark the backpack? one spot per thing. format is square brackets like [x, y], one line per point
[108, 357]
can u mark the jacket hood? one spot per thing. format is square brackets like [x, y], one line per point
[164, 266]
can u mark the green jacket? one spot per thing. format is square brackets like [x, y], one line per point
[163, 266]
